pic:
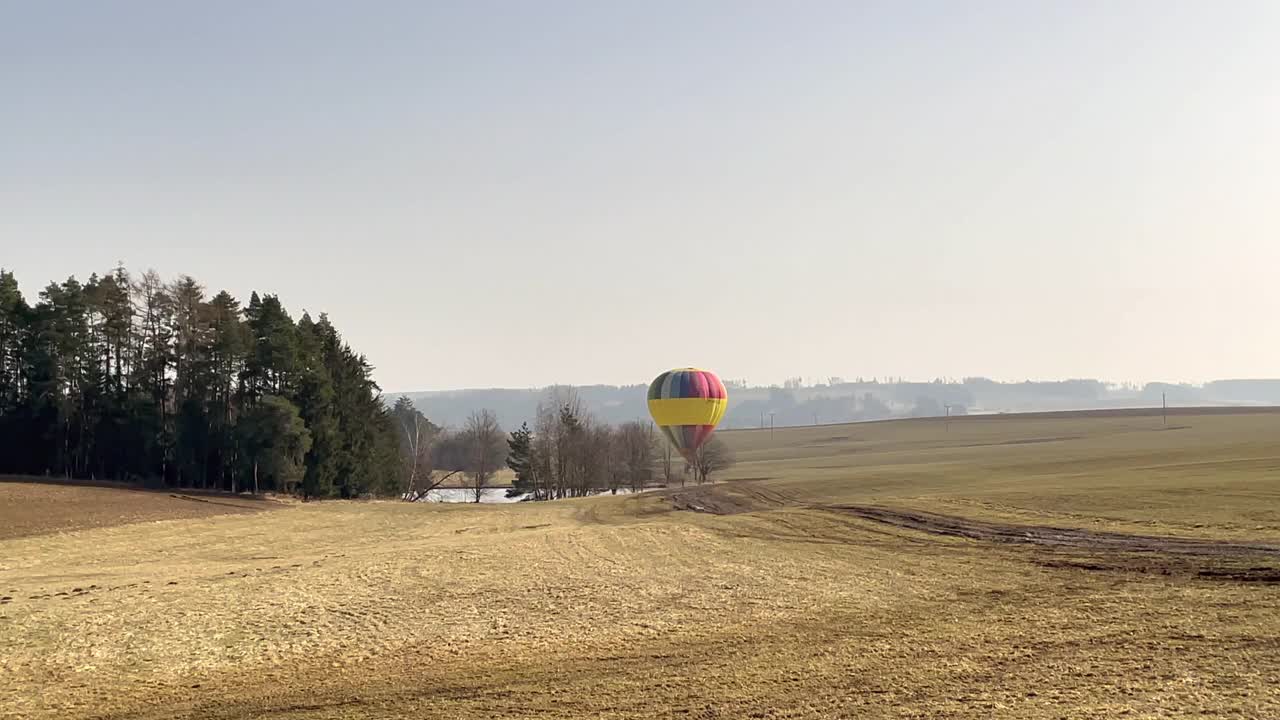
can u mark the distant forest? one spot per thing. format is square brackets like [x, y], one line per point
[134, 379]
[839, 400]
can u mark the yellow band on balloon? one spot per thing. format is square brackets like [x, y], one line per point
[688, 411]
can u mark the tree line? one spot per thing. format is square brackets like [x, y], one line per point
[567, 453]
[134, 379]
[130, 378]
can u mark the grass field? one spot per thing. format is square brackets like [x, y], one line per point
[1069, 566]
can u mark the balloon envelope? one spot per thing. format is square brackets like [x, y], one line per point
[687, 404]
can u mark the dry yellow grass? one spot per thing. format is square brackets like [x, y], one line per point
[624, 608]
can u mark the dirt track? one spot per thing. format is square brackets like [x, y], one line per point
[1091, 550]
[935, 524]
[726, 499]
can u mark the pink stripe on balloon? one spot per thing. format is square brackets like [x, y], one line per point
[700, 434]
[699, 387]
[717, 388]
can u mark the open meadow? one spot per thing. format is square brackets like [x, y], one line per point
[1054, 566]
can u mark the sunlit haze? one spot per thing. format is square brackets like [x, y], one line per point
[488, 194]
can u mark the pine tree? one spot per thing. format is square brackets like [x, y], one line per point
[273, 358]
[315, 400]
[17, 431]
[226, 360]
[191, 332]
[520, 460]
[13, 315]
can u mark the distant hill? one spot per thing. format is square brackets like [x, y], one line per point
[840, 401]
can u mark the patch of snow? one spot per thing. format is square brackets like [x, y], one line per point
[488, 495]
[463, 495]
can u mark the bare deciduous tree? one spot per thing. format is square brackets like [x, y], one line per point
[420, 441]
[486, 449]
[566, 446]
[610, 455]
[713, 456]
[544, 459]
[635, 440]
[417, 454]
[666, 456]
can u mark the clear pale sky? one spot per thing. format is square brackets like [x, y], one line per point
[514, 193]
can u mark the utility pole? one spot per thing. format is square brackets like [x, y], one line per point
[1164, 408]
[948, 425]
[771, 425]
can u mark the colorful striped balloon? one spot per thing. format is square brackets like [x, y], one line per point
[687, 404]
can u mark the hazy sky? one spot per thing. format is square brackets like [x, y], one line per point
[520, 193]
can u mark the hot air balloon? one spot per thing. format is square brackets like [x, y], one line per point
[687, 404]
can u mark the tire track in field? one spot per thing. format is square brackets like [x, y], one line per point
[1045, 535]
[1080, 549]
